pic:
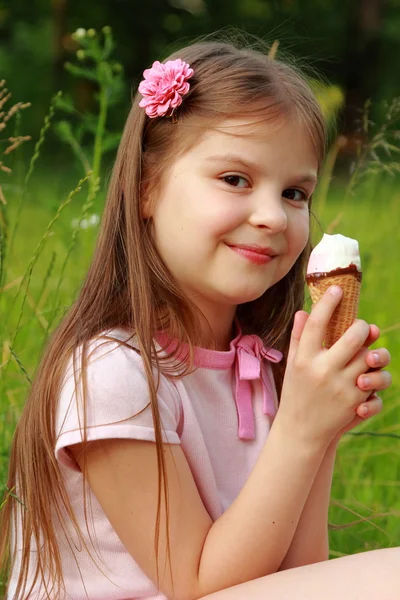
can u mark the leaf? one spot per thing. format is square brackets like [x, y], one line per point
[374, 155]
[66, 104]
[108, 46]
[64, 130]
[93, 51]
[393, 148]
[66, 134]
[104, 73]
[81, 72]
[89, 123]
[79, 131]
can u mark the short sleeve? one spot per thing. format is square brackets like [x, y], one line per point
[117, 400]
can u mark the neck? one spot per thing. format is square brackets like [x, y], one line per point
[218, 330]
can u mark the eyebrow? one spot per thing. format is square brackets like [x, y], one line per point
[234, 158]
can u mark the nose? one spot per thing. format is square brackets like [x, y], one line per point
[269, 212]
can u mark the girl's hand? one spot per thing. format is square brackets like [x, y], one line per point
[320, 395]
[373, 379]
[374, 406]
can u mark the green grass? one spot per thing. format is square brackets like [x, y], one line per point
[367, 474]
[27, 315]
[366, 487]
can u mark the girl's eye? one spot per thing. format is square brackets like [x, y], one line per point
[290, 194]
[235, 180]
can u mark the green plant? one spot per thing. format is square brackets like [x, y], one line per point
[375, 150]
[376, 153]
[93, 63]
[12, 143]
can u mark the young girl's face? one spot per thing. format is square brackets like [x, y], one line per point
[227, 191]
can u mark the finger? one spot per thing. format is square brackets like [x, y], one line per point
[379, 358]
[348, 347]
[375, 358]
[317, 323]
[367, 361]
[300, 319]
[376, 380]
[370, 408]
[374, 333]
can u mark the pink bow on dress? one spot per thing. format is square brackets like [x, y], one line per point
[249, 354]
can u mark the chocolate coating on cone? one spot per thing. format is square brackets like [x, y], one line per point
[346, 312]
[351, 269]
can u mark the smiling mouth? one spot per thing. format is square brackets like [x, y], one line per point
[254, 248]
[254, 254]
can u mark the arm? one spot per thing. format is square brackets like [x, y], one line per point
[253, 536]
[310, 543]
[249, 540]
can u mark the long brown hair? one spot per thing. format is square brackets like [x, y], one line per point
[129, 286]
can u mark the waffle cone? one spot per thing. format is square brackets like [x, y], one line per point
[346, 312]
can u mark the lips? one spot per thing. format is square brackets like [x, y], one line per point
[258, 255]
[255, 248]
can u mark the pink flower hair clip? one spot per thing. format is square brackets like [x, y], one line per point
[163, 87]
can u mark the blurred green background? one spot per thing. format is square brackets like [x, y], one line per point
[94, 54]
[355, 43]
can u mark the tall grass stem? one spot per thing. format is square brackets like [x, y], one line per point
[35, 156]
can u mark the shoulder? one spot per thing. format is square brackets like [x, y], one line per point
[110, 371]
[110, 347]
[109, 358]
[108, 394]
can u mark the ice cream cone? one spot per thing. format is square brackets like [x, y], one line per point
[346, 311]
[336, 261]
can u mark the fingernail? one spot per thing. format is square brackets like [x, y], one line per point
[365, 410]
[335, 290]
[376, 357]
[366, 381]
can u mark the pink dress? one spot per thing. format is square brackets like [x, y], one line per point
[220, 414]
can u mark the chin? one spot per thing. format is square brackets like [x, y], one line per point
[244, 297]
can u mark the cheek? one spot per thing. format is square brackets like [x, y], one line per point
[299, 230]
[215, 215]
[220, 212]
[179, 215]
[222, 222]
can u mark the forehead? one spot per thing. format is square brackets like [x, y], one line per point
[276, 141]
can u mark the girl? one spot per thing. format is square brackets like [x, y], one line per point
[153, 458]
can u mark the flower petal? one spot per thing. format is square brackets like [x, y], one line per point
[163, 86]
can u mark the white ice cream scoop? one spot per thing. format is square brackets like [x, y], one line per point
[334, 252]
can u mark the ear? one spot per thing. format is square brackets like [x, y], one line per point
[146, 205]
[146, 208]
